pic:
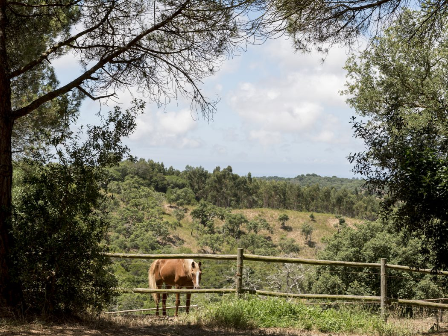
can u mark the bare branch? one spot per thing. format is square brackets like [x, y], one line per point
[92, 97]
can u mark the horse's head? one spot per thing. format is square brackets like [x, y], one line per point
[196, 274]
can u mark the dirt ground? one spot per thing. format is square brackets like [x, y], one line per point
[147, 326]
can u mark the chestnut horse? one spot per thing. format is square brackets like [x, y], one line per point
[173, 272]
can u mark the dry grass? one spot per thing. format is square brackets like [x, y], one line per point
[324, 225]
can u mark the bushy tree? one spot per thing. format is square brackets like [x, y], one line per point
[58, 226]
[206, 213]
[398, 87]
[307, 230]
[288, 245]
[213, 241]
[283, 218]
[258, 244]
[181, 197]
[59, 222]
[258, 224]
[233, 224]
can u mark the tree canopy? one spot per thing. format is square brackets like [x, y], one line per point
[398, 87]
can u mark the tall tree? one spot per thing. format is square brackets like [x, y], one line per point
[399, 89]
[166, 47]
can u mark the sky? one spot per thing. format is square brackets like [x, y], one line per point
[280, 113]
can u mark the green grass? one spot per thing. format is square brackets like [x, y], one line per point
[256, 312]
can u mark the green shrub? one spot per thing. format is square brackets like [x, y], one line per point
[259, 312]
[58, 227]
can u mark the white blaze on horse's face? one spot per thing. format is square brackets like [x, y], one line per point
[196, 274]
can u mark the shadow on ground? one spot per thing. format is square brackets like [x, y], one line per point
[131, 327]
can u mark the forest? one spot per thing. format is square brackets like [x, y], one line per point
[223, 188]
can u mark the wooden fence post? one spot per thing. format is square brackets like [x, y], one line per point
[383, 273]
[239, 272]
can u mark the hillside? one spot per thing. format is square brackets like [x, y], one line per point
[161, 231]
[154, 209]
[157, 210]
[323, 225]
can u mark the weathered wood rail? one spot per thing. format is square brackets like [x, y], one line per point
[240, 257]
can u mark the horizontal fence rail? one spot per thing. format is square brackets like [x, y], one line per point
[315, 296]
[421, 303]
[172, 256]
[240, 257]
[254, 257]
[144, 309]
[180, 290]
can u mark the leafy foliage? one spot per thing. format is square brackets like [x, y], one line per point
[307, 231]
[308, 180]
[253, 312]
[58, 225]
[224, 189]
[369, 243]
[60, 221]
[283, 218]
[398, 87]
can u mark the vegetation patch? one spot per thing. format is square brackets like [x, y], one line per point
[256, 312]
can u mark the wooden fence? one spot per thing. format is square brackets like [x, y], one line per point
[239, 289]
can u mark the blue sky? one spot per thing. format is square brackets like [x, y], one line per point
[280, 113]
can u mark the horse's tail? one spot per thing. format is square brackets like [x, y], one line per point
[153, 270]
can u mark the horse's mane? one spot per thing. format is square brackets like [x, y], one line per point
[187, 266]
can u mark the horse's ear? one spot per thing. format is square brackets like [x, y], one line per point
[200, 264]
[192, 264]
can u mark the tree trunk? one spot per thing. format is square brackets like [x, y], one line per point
[7, 296]
[9, 293]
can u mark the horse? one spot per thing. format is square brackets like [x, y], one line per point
[174, 272]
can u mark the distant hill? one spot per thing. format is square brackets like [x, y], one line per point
[324, 181]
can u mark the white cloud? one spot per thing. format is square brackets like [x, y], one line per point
[219, 150]
[292, 100]
[266, 138]
[169, 129]
[282, 53]
[325, 136]
[230, 135]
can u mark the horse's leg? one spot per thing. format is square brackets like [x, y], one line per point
[187, 303]
[177, 301]
[165, 295]
[158, 300]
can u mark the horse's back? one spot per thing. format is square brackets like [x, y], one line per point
[174, 272]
